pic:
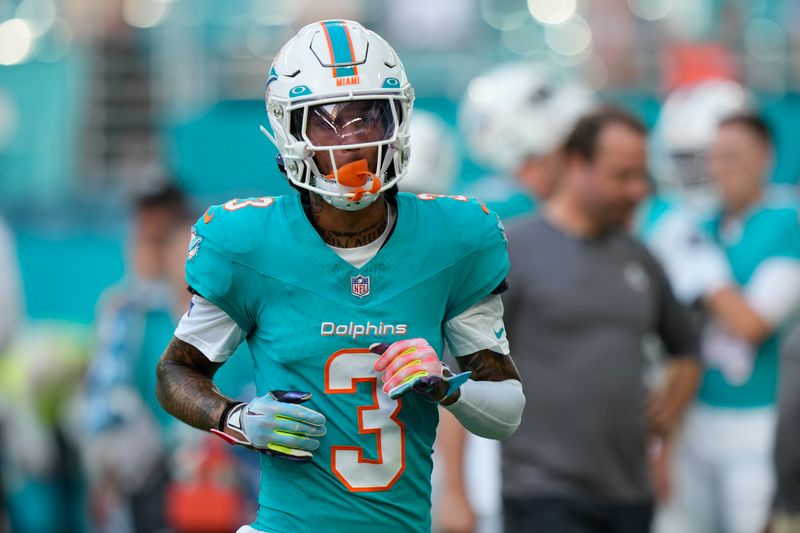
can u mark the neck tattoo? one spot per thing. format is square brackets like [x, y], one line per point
[353, 239]
[346, 238]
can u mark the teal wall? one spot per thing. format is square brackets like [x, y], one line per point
[65, 272]
[39, 162]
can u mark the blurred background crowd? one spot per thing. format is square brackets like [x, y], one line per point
[121, 120]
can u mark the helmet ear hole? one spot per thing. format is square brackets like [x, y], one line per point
[279, 162]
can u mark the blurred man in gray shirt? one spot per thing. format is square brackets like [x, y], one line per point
[583, 295]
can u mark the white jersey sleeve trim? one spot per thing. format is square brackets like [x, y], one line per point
[774, 289]
[209, 329]
[478, 328]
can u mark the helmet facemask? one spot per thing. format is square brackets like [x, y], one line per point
[346, 150]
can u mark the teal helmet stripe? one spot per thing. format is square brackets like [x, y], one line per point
[344, 71]
[341, 47]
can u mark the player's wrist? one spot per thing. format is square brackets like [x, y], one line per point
[453, 383]
[231, 428]
[274, 424]
[716, 287]
[223, 419]
[451, 398]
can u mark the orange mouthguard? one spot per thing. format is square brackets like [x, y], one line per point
[357, 174]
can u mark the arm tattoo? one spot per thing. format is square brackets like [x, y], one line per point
[185, 388]
[487, 365]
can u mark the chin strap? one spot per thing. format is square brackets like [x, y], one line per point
[356, 174]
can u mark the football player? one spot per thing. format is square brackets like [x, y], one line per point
[722, 470]
[669, 220]
[345, 294]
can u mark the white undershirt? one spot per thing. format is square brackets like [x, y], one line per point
[209, 329]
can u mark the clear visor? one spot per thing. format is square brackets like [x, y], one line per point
[343, 124]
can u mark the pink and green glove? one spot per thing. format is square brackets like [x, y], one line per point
[412, 364]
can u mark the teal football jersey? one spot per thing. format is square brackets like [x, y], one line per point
[311, 317]
[766, 233]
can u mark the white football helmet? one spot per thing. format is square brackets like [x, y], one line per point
[685, 129]
[519, 111]
[335, 89]
[434, 156]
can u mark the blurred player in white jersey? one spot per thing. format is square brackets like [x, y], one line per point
[513, 119]
[668, 222]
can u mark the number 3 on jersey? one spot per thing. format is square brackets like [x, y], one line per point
[343, 371]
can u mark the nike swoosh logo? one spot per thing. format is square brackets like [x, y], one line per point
[499, 334]
[208, 216]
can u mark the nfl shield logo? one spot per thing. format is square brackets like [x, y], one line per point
[360, 285]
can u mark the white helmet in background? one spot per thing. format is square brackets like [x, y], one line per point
[434, 163]
[684, 132]
[519, 111]
[338, 87]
